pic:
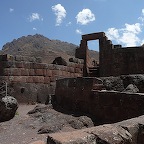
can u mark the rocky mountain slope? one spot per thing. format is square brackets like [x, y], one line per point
[40, 46]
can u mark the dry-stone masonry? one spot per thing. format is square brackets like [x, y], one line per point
[30, 80]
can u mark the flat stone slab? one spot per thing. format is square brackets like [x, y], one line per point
[125, 132]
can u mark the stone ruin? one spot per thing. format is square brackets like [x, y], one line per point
[32, 81]
[114, 60]
[109, 91]
[117, 95]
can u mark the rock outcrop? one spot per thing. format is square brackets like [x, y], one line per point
[125, 132]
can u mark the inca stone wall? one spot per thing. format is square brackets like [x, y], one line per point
[32, 81]
[84, 95]
[114, 60]
[128, 60]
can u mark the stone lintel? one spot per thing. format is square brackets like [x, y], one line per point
[93, 36]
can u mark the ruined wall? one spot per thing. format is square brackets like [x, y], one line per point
[83, 95]
[31, 80]
[113, 59]
[127, 61]
[116, 61]
[105, 56]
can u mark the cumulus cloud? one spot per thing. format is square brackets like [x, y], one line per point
[11, 10]
[134, 28]
[85, 16]
[127, 35]
[112, 33]
[78, 31]
[60, 13]
[129, 39]
[35, 16]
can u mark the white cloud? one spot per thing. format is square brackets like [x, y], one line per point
[60, 13]
[85, 16]
[134, 28]
[35, 29]
[11, 10]
[112, 33]
[35, 16]
[78, 31]
[129, 39]
[128, 35]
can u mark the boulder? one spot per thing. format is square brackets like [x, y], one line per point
[8, 107]
[76, 60]
[60, 61]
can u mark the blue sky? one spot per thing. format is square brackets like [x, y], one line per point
[67, 20]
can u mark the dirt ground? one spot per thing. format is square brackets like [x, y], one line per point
[34, 127]
[21, 129]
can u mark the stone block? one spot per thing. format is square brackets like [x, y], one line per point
[46, 80]
[31, 72]
[64, 73]
[105, 134]
[57, 67]
[27, 65]
[72, 75]
[5, 72]
[24, 72]
[80, 66]
[38, 65]
[77, 70]
[50, 66]
[62, 68]
[68, 74]
[29, 79]
[4, 78]
[77, 75]
[18, 79]
[38, 79]
[76, 65]
[52, 79]
[45, 72]
[19, 65]
[15, 72]
[39, 72]
[71, 69]
[60, 73]
[49, 73]
[55, 72]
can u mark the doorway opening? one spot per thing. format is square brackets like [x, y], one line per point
[93, 66]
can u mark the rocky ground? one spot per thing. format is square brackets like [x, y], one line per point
[34, 127]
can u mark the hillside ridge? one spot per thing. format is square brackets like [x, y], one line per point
[40, 46]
